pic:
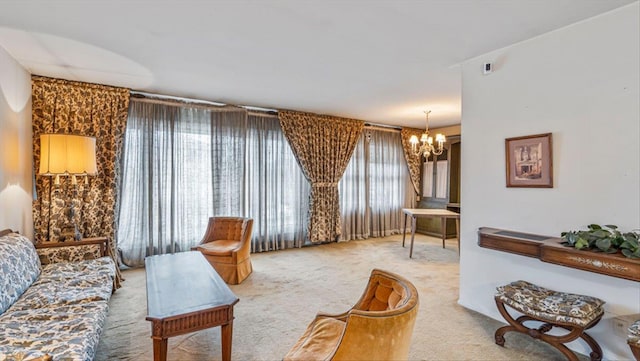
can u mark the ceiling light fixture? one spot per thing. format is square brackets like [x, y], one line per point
[427, 148]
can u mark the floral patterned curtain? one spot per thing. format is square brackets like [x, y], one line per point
[61, 106]
[413, 160]
[323, 146]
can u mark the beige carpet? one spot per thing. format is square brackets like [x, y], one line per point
[287, 288]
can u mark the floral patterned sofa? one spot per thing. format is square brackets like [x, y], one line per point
[54, 311]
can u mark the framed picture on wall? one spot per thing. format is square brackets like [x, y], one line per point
[529, 161]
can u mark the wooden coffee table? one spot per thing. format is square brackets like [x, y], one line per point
[185, 294]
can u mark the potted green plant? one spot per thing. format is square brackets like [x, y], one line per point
[605, 238]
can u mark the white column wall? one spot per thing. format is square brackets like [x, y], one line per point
[580, 83]
[16, 164]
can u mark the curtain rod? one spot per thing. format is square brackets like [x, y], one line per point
[204, 104]
[251, 110]
[382, 127]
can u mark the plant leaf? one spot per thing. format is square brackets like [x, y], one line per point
[581, 243]
[630, 254]
[603, 244]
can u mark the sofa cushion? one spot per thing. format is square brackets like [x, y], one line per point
[26, 356]
[68, 332]
[19, 266]
[69, 283]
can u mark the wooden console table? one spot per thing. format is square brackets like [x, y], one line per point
[549, 249]
[185, 294]
[443, 214]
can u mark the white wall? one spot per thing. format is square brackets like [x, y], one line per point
[16, 164]
[582, 84]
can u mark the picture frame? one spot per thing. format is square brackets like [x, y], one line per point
[529, 161]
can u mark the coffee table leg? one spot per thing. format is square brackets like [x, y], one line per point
[226, 332]
[159, 349]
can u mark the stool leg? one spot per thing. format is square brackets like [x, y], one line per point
[540, 333]
[596, 351]
[596, 354]
[635, 350]
[565, 351]
[513, 324]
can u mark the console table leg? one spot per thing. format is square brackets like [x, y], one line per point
[404, 229]
[413, 235]
[159, 349]
[443, 226]
[458, 233]
[226, 332]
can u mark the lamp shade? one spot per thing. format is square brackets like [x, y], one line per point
[67, 154]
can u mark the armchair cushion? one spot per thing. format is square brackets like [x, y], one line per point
[220, 247]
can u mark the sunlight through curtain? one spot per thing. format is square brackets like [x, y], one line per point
[375, 187]
[277, 191]
[183, 164]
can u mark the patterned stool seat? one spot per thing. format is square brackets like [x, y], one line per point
[552, 306]
[634, 339]
[571, 312]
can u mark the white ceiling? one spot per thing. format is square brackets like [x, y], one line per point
[382, 61]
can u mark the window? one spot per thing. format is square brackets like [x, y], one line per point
[375, 187]
[183, 164]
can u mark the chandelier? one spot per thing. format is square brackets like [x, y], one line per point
[426, 148]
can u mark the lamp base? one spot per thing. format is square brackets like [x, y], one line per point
[70, 233]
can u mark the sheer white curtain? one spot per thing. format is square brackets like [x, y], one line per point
[354, 194]
[375, 187]
[390, 187]
[183, 164]
[277, 191]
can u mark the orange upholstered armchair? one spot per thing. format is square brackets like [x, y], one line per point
[378, 327]
[227, 246]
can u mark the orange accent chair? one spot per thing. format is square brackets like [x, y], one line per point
[227, 246]
[378, 327]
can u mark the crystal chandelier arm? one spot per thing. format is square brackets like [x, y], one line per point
[426, 146]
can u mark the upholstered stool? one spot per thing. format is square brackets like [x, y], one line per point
[574, 313]
[634, 339]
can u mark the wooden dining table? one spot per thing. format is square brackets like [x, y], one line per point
[443, 214]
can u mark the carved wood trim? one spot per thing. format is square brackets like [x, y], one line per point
[550, 250]
[195, 321]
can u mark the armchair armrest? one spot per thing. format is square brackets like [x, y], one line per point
[342, 316]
